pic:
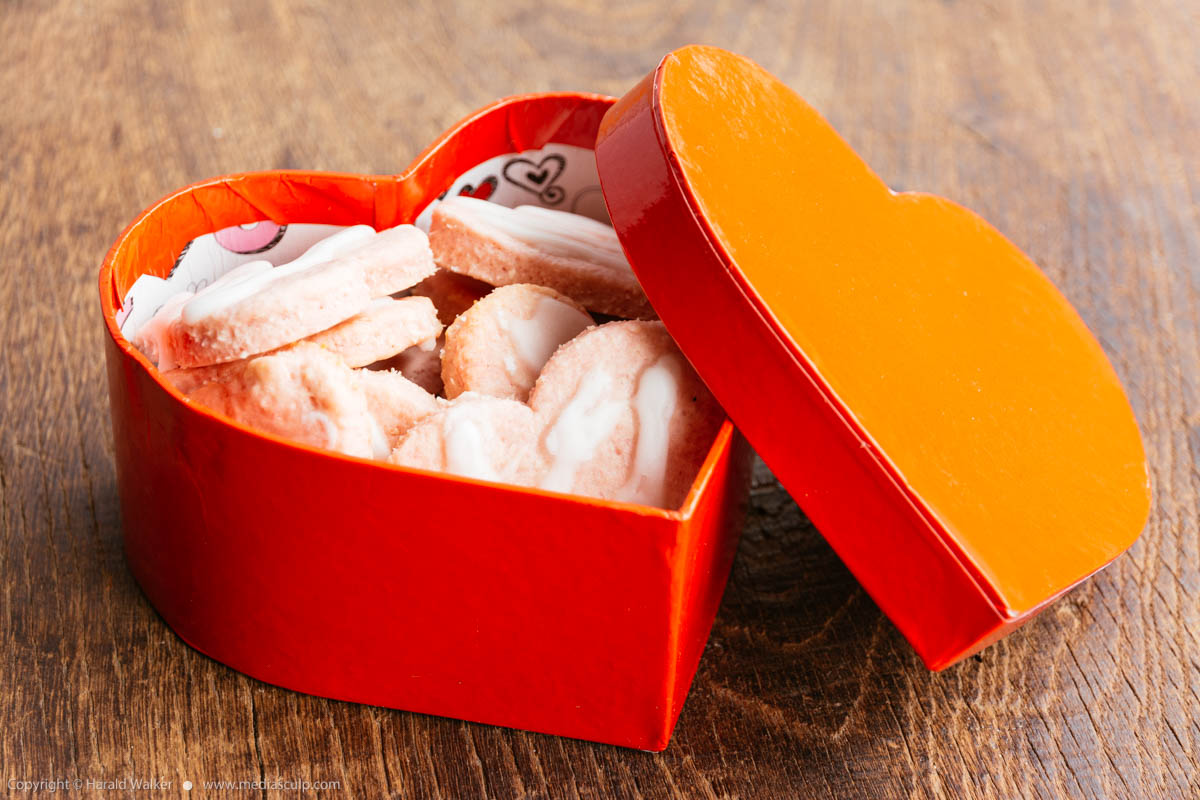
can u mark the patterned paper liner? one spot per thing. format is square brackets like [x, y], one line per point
[557, 176]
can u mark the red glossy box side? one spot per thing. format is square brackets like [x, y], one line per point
[360, 581]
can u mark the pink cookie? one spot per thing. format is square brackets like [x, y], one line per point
[334, 280]
[500, 344]
[451, 293]
[304, 393]
[570, 253]
[152, 338]
[475, 436]
[188, 380]
[395, 404]
[394, 260]
[385, 328]
[623, 416]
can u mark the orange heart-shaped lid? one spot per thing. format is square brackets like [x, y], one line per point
[933, 403]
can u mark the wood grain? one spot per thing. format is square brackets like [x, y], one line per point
[1073, 127]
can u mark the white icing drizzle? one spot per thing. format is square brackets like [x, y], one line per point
[462, 444]
[559, 233]
[535, 339]
[221, 294]
[429, 345]
[380, 448]
[586, 421]
[331, 431]
[152, 337]
[657, 393]
[238, 274]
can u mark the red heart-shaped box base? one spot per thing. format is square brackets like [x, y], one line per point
[362, 581]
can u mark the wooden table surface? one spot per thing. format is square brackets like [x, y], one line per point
[1073, 127]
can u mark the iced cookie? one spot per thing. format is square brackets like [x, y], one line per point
[451, 293]
[385, 328]
[188, 380]
[474, 436]
[623, 416]
[500, 344]
[570, 253]
[394, 259]
[395, 405]
[152, 337]
[334, 280]
[304, 393]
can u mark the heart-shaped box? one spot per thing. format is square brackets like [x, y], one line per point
[933, 403]
[363, 581]
[929, 398]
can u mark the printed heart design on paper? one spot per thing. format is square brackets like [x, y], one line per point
[538, 178]
[253, 237]
[481, 192]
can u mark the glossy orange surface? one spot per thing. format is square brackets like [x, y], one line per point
[959, 358]
[918, 384]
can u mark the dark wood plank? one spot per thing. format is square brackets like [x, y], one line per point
[1073, 127]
